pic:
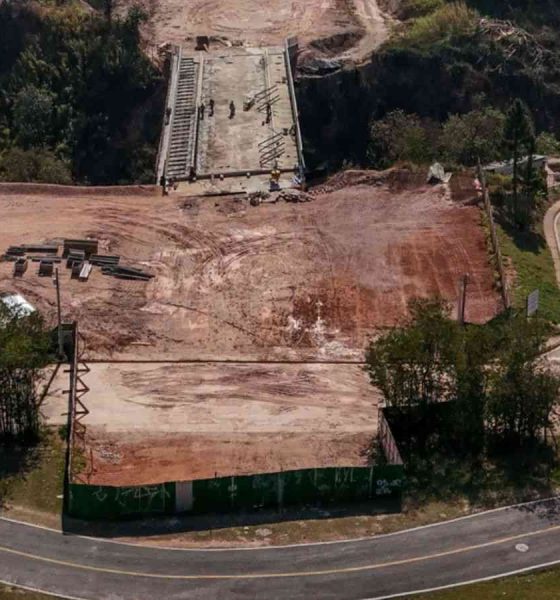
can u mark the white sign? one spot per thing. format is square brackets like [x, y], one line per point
[532, 303]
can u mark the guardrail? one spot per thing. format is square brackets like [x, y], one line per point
[168, 113]
[295, 114]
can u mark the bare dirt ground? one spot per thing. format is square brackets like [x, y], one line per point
[258, 24]
[297, 282]
[220, 419]
[294, 282]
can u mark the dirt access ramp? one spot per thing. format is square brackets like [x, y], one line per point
[250, 22]
[166, 422]
[309, 281]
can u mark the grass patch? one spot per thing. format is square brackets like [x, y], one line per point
[531, 258]
[447, 22]
[543, 585]
[32, 477]
[12, 593]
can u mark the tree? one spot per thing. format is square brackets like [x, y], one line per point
[24, 350]
[33, 165]
[520, 135]
[399, 136]
[413, 366]
[523, 390]
[475, 135]
[475, 381]
[547, 144]
[32, 115]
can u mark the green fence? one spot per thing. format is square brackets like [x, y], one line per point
[107, 502]
[380, 484]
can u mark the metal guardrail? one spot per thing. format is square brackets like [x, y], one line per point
[293, 101]
[165, 137]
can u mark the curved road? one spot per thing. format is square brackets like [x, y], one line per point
[477, 547]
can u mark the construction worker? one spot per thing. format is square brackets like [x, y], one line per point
[275, 178]
[231, 109]
[268, 113]
[211, 104]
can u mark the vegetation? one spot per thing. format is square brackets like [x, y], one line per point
[447, 22]
[474, 387]
[529, 254]
[31, 477]
[543, 585]
[447, 60]
[24, 350]
[12, 593]
[79, 99]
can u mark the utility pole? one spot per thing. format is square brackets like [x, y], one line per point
[463, 299]
[59, 313]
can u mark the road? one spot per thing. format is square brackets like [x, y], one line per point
[487, 545]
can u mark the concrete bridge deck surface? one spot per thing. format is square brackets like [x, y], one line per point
[232, 144]
[486, 545]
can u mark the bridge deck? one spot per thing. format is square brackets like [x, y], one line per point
[217, 144]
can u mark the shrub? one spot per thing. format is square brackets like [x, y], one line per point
[449, 21]
[33, 165]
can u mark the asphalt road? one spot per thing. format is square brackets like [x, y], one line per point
[477, 547]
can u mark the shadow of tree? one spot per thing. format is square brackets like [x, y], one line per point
[16, 461]
[527, 240]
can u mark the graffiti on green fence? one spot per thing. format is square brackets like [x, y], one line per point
[248, 492]
[101, 501]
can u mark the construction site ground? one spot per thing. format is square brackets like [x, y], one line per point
[348, 25]
[173, 422]
[287, 283]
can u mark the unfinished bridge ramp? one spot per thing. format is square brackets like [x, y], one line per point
[233, 120]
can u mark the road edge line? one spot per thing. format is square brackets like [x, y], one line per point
[280, 547]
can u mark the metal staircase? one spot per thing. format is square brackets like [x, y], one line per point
[180, 156]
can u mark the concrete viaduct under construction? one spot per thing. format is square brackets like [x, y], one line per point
[231, 119]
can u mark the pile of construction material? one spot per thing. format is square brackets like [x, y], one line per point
[122, 272]
[81, 256]
[294, 196]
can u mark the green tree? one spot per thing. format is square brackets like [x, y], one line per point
[547, 144]
[24, 350]
[34, 165]
[32, 116]
[413, 366]
[476, 134]
[523, 390]
[399, 136]
[519, 134]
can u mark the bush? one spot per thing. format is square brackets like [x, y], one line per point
[478, 134]
[412, 9]
[547, 144]
[33, 165]
[449, 21]
[400, 136]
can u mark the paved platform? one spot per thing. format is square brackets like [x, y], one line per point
[232, 150]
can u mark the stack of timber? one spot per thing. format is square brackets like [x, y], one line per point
[122, 272]
[13, 252]
[41, 248]
[85, 271]
[73, 257]
[49, 259]
[104, 260]
[46, 268]
[88, 247]
[20, 266]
